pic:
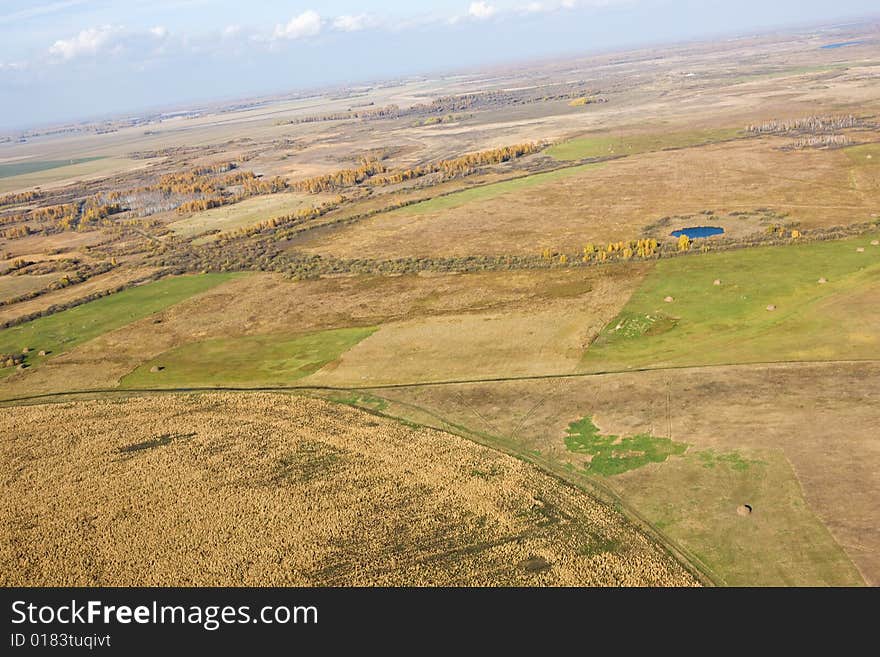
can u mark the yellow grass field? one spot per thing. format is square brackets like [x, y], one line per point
[246, 213]
[274, 490]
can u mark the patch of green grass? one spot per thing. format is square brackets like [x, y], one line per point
[866, 155]
[493, 190]
[734, 460]
[361, 400]
[730, 323]
[612, 455]
[67, 329]
[608, 145]
[252, 360]
[33, 166]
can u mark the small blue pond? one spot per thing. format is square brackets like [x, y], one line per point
[696, 232]
[842, 44]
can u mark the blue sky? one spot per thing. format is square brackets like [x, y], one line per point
[68, 59]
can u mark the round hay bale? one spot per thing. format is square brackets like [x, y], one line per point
[42, 352]
[717, 281]
[156, 368]
[26, 350]
[771, 307]
[744, 510]
[861, 249]
[669, 299]
[823, 280]
[21, 366]
[875, 242]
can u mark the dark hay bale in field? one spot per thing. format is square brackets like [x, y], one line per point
[744, 509]
[534, 564]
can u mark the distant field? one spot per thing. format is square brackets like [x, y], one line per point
[612, 145]
[69, 328]
[243, 214]
[62, 171]
[623, 198]
[13, 286]
[730, 323]
[252, 360]
[23, 167]
[491, 191]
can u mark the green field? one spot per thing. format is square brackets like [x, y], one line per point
[69, 328]
[712, 325]
[867, 155]
[492, 190]
[692, 499]
[253, 360]
[23, 167]
[607, 146]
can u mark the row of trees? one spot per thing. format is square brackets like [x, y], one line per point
[20, 197]
[820, 141]
[339, 179]
[809, 124]
[459, 166]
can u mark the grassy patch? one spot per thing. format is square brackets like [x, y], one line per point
[34, 166]
[360, 400]
[608, 145]
[709, 325]
[693, 499]
[864, 155]
[252, 360]
[733, 460]
[240, 215]
[493, 190]
[67, 329]
[612, 455]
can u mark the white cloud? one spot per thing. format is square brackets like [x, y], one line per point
[306, 24]
[352, 23]
[87, 42]
[533, 8]
[481, 10]
[160, 31]
[231, 30]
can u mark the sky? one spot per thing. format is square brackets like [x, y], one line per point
[63, 60]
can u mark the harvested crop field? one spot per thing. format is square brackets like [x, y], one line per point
[265, 490]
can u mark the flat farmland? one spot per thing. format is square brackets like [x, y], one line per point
[470, 324]
[259, 490]
[243, 214]
[798, 302]
[798, 443]
[621, 199]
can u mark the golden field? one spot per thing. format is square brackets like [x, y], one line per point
[274, 490]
